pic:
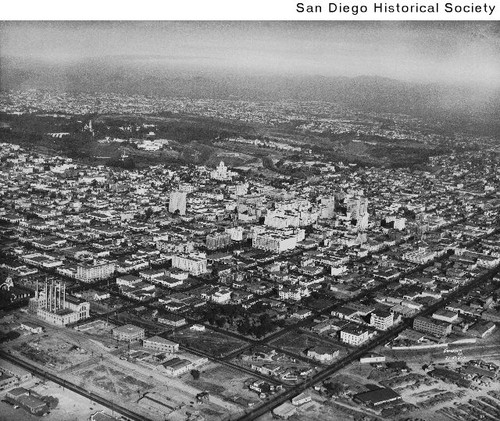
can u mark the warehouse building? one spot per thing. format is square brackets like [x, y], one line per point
[377, 397]
[432, 326]
[157, 343]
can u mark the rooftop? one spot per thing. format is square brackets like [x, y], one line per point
[128, 329]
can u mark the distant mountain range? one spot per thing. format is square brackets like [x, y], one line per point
[469, 107]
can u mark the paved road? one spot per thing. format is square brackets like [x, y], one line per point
[379, 340]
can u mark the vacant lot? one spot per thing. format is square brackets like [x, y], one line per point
[214, 343]
[97, 328]
[51, 351]
[229, 384]
[114, 381]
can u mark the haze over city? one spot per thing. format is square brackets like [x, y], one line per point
[450, 52]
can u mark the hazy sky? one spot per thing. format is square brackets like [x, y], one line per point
[453, 52]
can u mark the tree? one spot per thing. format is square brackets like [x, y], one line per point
[148, 213]
[334, 388]
[245, 327]
[196, 374]
[220, 322]
[51, 401]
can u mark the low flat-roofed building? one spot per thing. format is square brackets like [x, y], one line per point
[491, 315]
[434, 327]
[7, 381]
[372, 358]
[101, 416]
[471, 372]
[157, 343]
[14, 370]
[33, 404]
[445, 315]
[128, 280]
[301, 399]
[403, 311]
[450, 376]
[323, 353]
[482, 329]
[285, 411]
[17, 392]
[377, 397]
[128, 332]
[344, 312]
[167, 281]
[177, 366]
[28, 400]
[31, 327]
[172, 320]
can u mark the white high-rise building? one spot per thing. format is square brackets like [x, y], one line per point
[236, 233]
[381, 319]
[95, 271]
[195, 264]
[277, 241]
[327, 207]
[177, 202]
[357, 210]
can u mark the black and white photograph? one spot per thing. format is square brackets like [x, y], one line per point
[231, 220]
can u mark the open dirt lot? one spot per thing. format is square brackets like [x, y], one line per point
[225, 382]
[140, 389]
[214, 343]
[52, 351]
[114, 381]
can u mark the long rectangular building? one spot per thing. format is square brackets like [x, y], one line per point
[90, 272]
[157, 343]
[194, 264]
[434, 327]
[128, 333]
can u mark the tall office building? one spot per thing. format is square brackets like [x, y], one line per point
[357, 210]
[97, 270]
[177, 202]
[327, 207]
